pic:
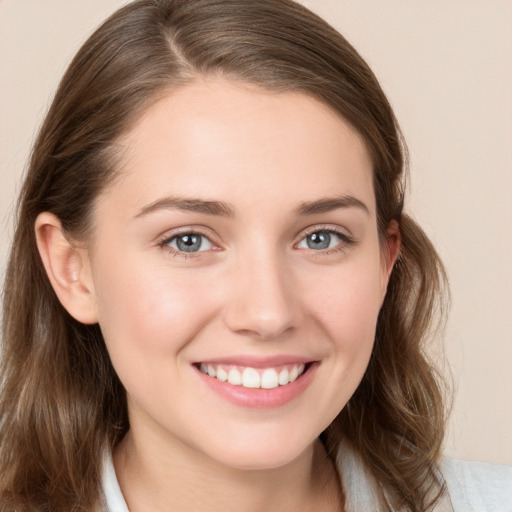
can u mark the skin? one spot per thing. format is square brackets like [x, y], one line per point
[256, 288]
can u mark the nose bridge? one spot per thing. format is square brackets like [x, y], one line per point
[262, 303]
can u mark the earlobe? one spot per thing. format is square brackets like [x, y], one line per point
[67, 268]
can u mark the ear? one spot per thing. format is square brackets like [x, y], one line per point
[390, 251]
[67, 268]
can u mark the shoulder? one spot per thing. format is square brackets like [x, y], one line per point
[478, 486]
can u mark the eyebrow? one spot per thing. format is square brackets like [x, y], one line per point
[329, 204]
[188, 204]
[223, 209]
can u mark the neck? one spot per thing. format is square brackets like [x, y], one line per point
[179, 479]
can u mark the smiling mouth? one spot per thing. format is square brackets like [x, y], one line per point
[254, 378]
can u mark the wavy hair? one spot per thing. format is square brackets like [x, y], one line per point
[62, 404]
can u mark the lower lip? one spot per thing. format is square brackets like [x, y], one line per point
[260, 398]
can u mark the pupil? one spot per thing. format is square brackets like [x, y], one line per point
[320, 240]
[189, 243]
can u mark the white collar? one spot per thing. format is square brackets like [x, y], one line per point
[112, 494]
[362, 492]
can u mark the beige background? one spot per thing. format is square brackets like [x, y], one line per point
[446, 66]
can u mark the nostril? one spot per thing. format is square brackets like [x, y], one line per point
[261, 321]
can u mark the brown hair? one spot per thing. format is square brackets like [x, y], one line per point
[62, 403]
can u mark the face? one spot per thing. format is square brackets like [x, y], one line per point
[237, 272]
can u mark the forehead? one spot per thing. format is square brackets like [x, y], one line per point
[215, 138]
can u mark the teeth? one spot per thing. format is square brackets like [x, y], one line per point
[235, 377]
[222, 375]
[251, 378]
[284, 377]
[268, 378]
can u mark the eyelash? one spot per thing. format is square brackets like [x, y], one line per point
[345, 242]
[167, 240]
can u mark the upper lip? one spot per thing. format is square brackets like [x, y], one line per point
[254, 361]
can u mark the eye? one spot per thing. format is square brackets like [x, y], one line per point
[321, 240]
[189, 242]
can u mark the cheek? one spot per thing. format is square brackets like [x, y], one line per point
[147, 311]
[351, 326]
[343, 305]
[347, 303]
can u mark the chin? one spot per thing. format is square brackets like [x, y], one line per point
[257, 454]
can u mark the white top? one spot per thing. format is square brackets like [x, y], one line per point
[478, 486]
[472, 486]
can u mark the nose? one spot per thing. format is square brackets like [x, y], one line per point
[263, 302]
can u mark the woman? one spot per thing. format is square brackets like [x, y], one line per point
[214, 297]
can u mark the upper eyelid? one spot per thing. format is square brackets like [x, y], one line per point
[164, 243]
[325, 227]
[216, 240]
[169, 235]
[346, 239]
